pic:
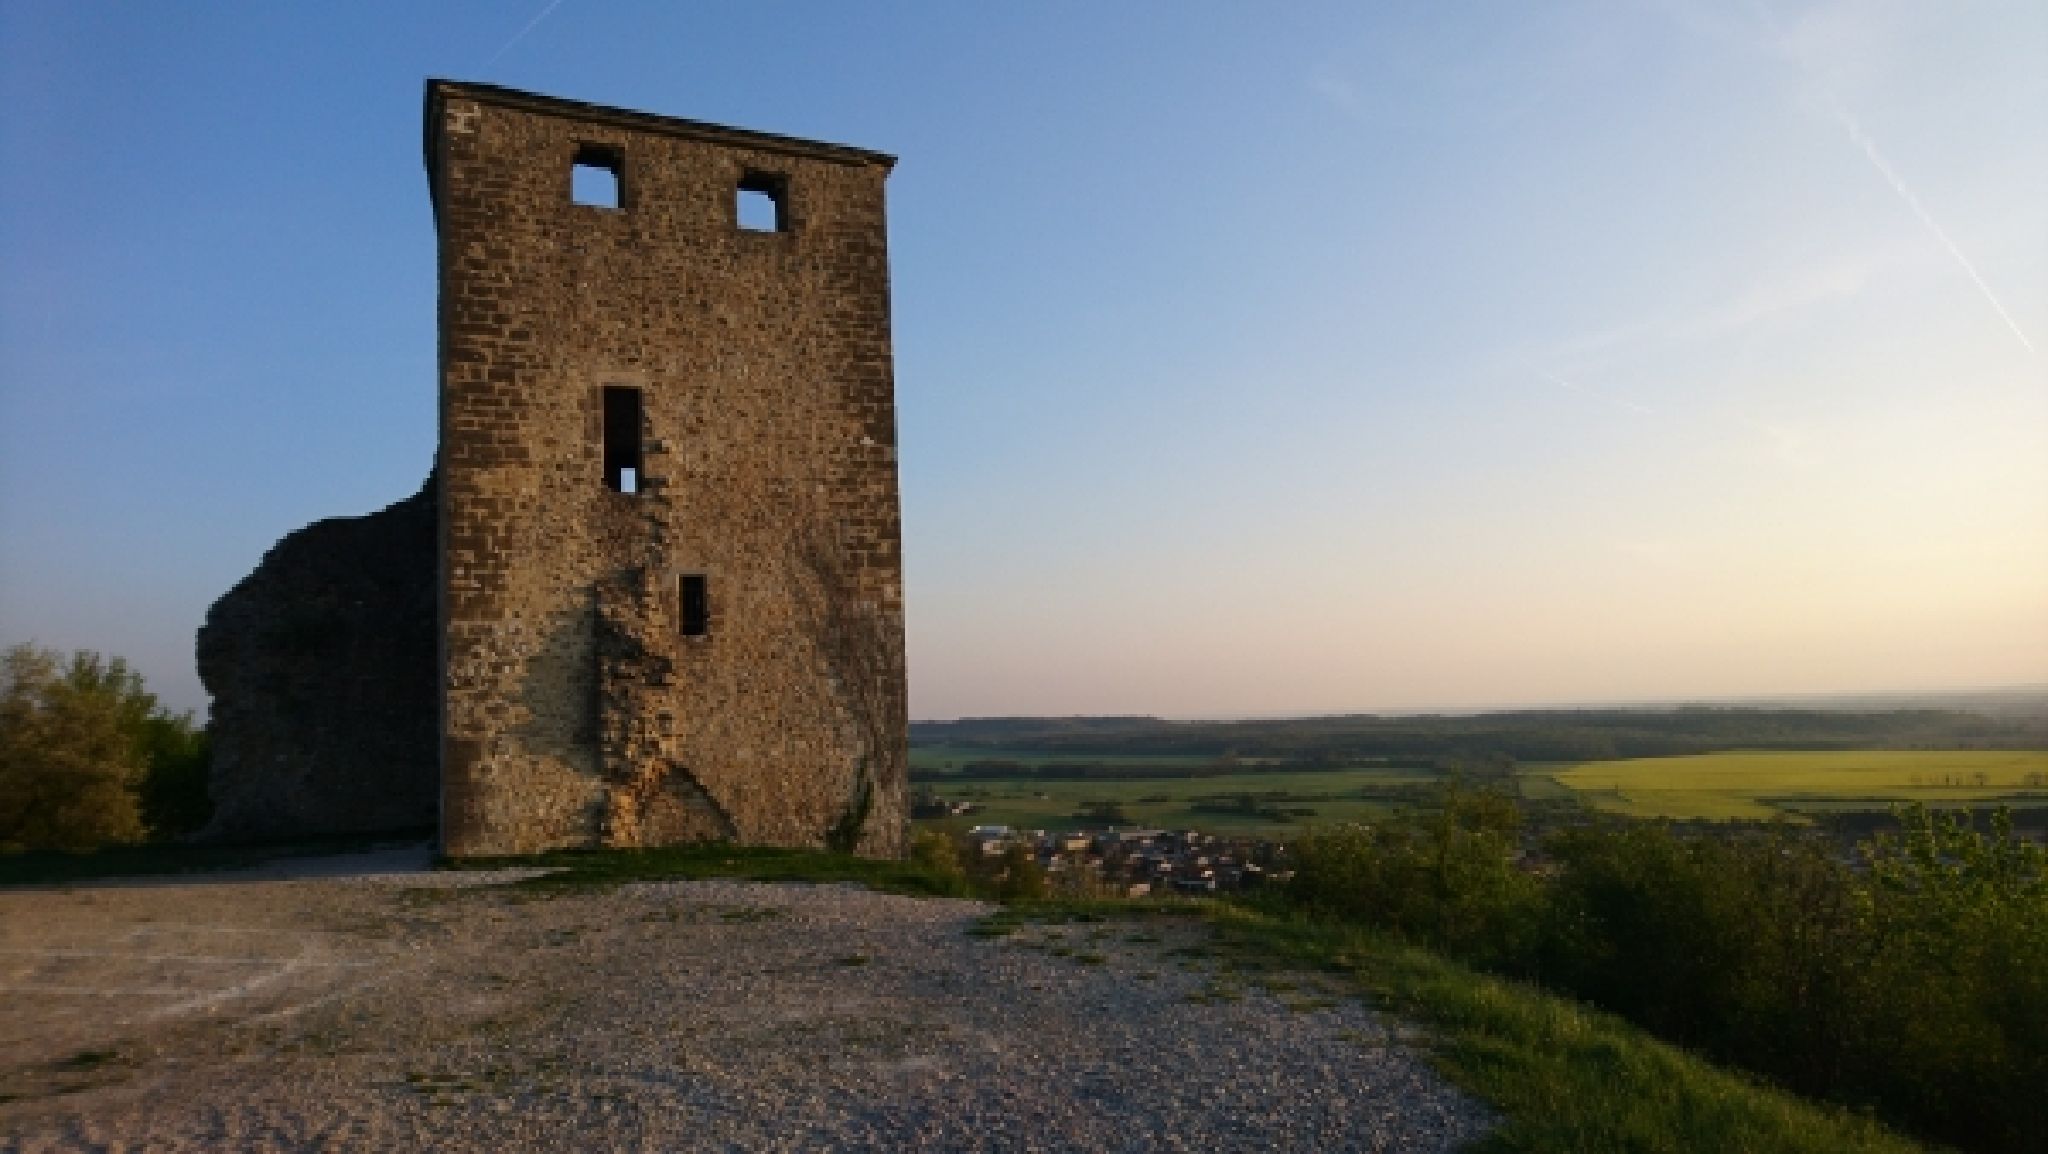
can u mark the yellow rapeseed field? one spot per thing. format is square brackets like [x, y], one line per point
[1765, 784]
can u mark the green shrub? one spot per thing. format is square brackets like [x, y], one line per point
[934, 851]
[173, 793]
[70, 758]
[1447, 878]
[1956, 1025]
[1020, 880]
[1737, 946]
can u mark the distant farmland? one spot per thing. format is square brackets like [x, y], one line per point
[1278, 801]
[945, 757]
[1270, 803]
[1278, 776]
[1764, 785]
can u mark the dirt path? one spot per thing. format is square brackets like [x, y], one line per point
[407, 1010]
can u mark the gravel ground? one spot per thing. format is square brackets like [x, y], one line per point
[391, 1008]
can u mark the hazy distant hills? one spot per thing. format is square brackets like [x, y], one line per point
[1988, 719]
[2011, 701]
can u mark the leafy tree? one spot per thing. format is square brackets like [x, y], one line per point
[71, 754]
[174, 797]
[1745, 946]
[1108, 812]
[1959, 923]
[88, 758]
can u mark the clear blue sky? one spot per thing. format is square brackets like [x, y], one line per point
[1252, 358]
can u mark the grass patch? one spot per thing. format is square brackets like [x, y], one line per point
[1009, 919]
[88, 1060]
[447, 1089]
[855, 960]
[1302, 1005]
[749, 914]
[1212, 803]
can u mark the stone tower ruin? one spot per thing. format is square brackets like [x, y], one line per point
[670, 580]
[652, 591]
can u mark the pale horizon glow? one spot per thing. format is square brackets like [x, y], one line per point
[1250, 362]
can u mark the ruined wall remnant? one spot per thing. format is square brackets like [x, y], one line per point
[671, 592]
[322, 671]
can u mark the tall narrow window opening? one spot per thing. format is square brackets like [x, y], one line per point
[695, 616]
[622, 438]
[763, 203]
[594, 178]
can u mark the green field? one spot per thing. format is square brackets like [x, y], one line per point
[1776, 784]
[940, 757]
[1335, 795]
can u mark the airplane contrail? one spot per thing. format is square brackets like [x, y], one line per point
[1884, 169]
[1617, 402]
[1862, 140]
[521, 34]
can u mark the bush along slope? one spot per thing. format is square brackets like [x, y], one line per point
[1909, 980]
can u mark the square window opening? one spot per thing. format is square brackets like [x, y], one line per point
[695, 615]
[763, 204]
[622, 438]
[594, 177]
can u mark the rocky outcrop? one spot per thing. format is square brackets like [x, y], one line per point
[323, 670]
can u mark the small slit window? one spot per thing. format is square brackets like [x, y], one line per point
[763, 203]
[694, 616]
[622, 438]
[594, 177]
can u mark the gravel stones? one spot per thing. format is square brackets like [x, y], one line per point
[409, 1014]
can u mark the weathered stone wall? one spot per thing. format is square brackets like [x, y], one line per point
[575, 711]
[321, 667]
